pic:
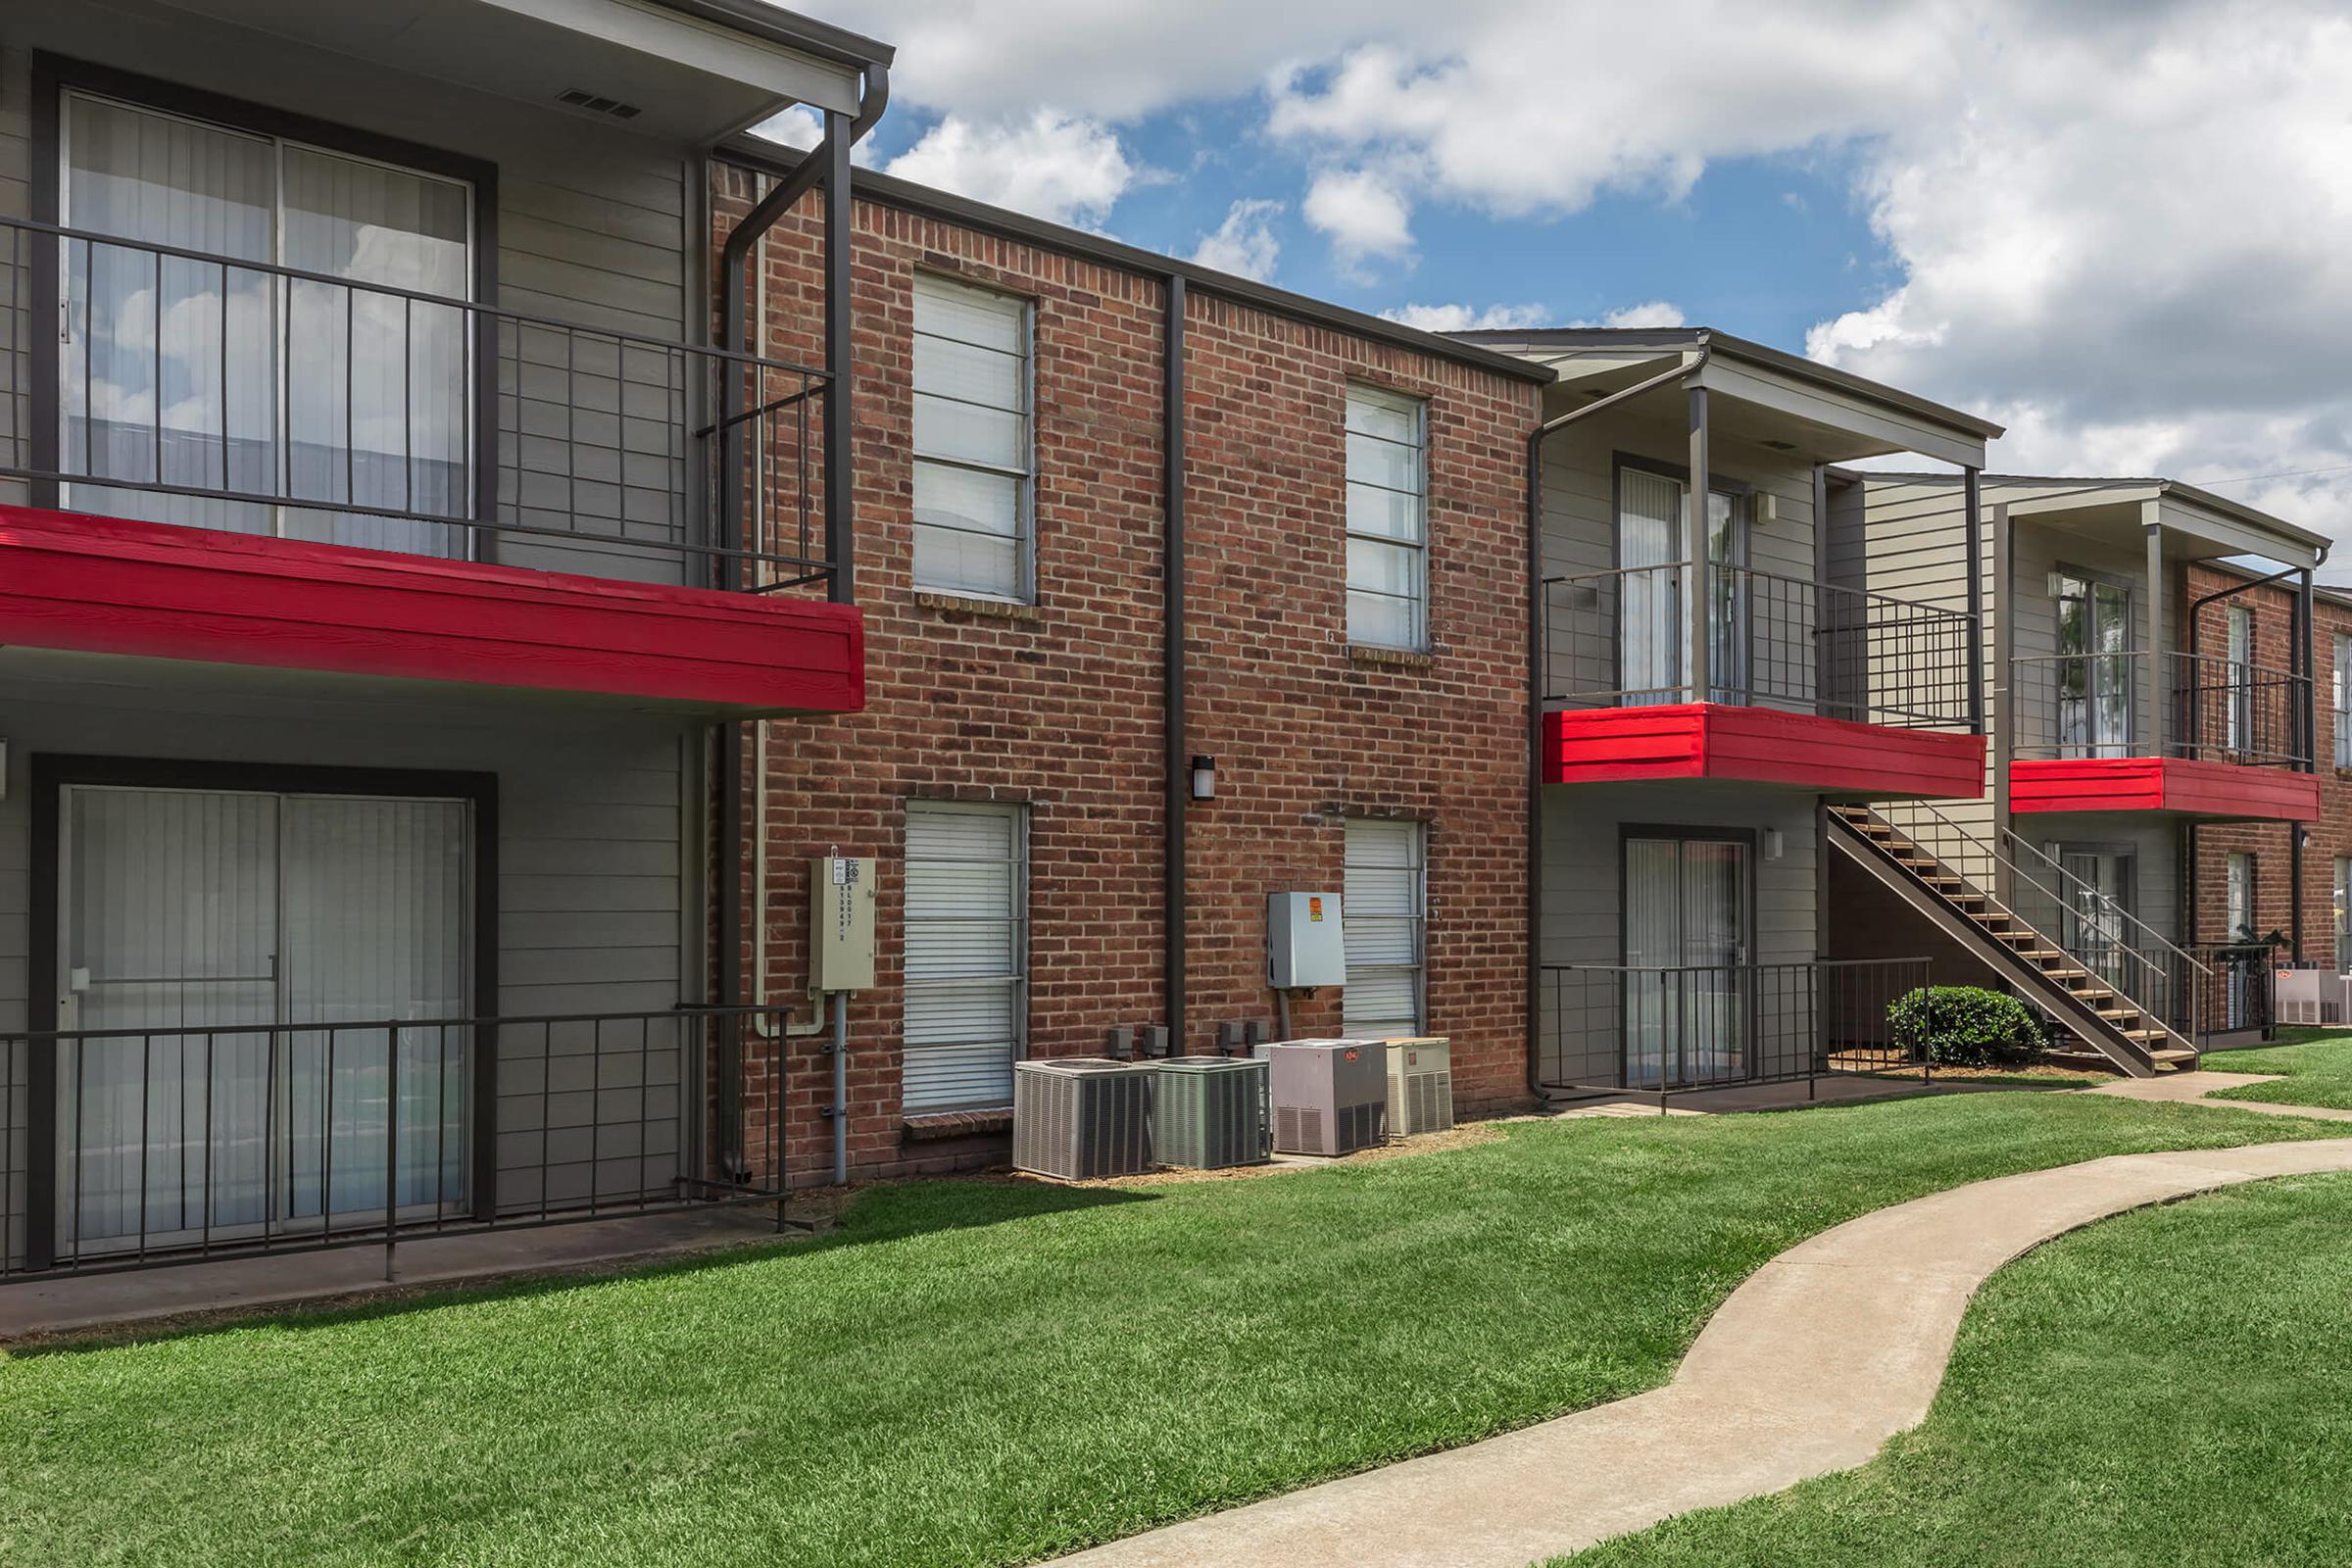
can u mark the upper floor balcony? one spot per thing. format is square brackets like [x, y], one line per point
[1806, 684]
[2208, 735]
[324, 394]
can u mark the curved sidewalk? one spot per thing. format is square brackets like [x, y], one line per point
[1811, 1365]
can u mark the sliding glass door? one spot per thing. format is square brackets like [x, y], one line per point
[193, 373]
[200, 910]
[2093, 667]
[1687, 947]
[1652, 557]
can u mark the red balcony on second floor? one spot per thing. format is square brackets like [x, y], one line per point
[1808, 686]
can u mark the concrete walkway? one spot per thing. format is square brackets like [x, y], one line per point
[1822, 1355]
[2191, 1088]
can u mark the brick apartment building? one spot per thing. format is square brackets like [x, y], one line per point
[2254, 879]
[1354, 664]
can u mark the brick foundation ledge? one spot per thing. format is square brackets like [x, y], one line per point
[939, 1125]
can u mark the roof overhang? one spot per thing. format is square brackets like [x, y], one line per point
[2205, 523]
[1825, 413]
[695, 71]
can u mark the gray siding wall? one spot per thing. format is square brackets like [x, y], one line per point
[596, 902]
[1580, 534]
[593, 228]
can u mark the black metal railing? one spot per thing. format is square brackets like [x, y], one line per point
[177, 385]
[2243, 996]
[1652, 1029]
[1621, 639]
[2083, 705]
[138, 1147]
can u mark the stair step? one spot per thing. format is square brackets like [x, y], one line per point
[2146, 1034]
[2173, 1054]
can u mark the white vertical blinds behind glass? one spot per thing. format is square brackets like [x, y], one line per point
[375, 397]
[1650, 612]
[1381, 909]
[191, 908]
[1387, 519]
[971, 440]
[2344, 702]
[965, 954]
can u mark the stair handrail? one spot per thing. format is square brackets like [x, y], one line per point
[2193, 971]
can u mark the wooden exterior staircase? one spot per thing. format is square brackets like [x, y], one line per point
[2094, 1010]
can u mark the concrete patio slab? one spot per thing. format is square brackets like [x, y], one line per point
[1763, 1401]
[71, 1303]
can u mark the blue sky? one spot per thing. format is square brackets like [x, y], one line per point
[2122, 227]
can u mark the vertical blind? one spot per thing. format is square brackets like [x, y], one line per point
[1685, 951]
[965, 954]
[1388, 518]
[204, 374]
[2344, 702]
[971, 439]
[2343, 914]
[1382, 910]
[198, 908]
[2242, 678]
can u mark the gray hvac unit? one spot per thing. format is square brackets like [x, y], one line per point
[1331, 1097]
[1082, 1118]
[1209, 1112]
[1420, 1086]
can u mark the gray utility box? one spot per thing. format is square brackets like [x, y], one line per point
[1331, 1097]
[1420, 1086]
[1305, 949]
[1209, 1112]
[1082, 1118]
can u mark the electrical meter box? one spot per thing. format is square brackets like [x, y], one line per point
[1303, 946]
[841, 923]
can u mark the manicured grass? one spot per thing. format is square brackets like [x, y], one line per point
[2318, 1064]
[2173, 1385]
[990, 1372]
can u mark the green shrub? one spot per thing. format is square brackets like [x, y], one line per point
[1964, 1026]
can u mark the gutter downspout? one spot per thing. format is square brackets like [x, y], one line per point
[727, 736]
[1535, 604]
[1179, 767]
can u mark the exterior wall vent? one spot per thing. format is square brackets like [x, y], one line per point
[1081, 1118]
[1420, 1086]
[597, 104]
[1209, 1112]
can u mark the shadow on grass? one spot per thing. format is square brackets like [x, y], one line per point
[891, 1213]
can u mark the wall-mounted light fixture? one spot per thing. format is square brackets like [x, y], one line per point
[1205, 778]
[1774, 845]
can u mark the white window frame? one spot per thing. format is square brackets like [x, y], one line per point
[1024, 475]
[2233, 882]
[2343, 913]
[1417, 835]
[1015, 982]
[2341, 706]
[1417, 407]
[2239, 651]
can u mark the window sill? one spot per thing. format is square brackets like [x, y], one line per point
[990, 608]
[1390, 658]
[939, 1125]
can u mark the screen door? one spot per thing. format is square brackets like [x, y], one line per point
[213, 909]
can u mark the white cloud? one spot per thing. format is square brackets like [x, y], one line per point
[1245, 243]
[1052, 165]
[1467, 318]
[1650, 312]
[1363, 215]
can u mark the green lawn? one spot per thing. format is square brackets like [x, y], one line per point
[2318, 1064]
[988, 1372]
[2171, 1386]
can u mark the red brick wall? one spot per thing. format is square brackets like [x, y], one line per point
[2332, 835]
[1061, 708]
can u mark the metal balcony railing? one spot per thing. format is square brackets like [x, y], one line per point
[1621, 639]
[2082, 705]
[1664, 1029]
[168, 384]
[142, 1147]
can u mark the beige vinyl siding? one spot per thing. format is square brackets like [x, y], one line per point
[593, 892]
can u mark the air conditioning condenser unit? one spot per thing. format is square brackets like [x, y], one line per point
[1331, 1097]
[1210, 1112]
[1420, 1086]
[1082, 1118]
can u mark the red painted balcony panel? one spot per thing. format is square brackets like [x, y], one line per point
[107, 585]
[1760, 745]
[2189, 788]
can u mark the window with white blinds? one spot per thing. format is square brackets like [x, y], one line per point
[2343, 914]
[966, 957]
[2342, 702]
[972, 461]
[1381, 919]
[1387, 519]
